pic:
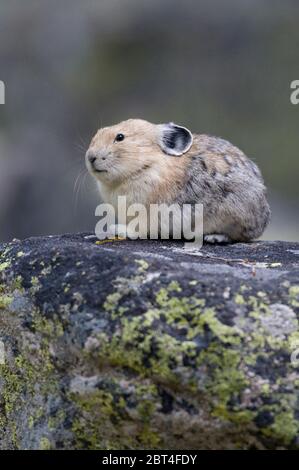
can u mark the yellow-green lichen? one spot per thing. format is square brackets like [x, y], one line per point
[229, 355]
[165, 339]
[56, 420]
[239, 299]
[34, 281]
[4, 265]
[133, 342]
[5, 300]
[49, 328]
[35, 417]
[285, 427]
[30, 422]
[294, 295]
[225, 333]
[111, 301]
[94, 428]
[28, 377]
[226, 379]
[104, 421]
[44, 444]
[143, 265]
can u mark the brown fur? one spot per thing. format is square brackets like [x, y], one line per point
[212, 172]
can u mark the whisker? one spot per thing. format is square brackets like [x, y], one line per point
[77, 187]
[82, 146]
[100, 119]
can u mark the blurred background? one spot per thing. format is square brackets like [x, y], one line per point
[70, 67]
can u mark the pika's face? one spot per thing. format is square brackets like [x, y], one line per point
[127, 149]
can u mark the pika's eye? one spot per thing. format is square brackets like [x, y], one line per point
[119, 138]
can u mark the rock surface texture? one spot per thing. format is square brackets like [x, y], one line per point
[144, 345]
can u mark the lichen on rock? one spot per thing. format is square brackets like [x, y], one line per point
[144, 346]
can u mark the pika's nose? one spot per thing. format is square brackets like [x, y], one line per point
[91, 157]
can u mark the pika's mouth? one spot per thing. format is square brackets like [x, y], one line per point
[99, 171]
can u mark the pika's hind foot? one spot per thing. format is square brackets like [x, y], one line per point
[216, 238]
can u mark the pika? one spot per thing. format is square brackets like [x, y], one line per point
[166, 163]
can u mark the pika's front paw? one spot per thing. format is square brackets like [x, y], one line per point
[216, 238]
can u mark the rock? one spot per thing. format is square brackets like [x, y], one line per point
[143, 345]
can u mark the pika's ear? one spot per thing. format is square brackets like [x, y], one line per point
[174, 139]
